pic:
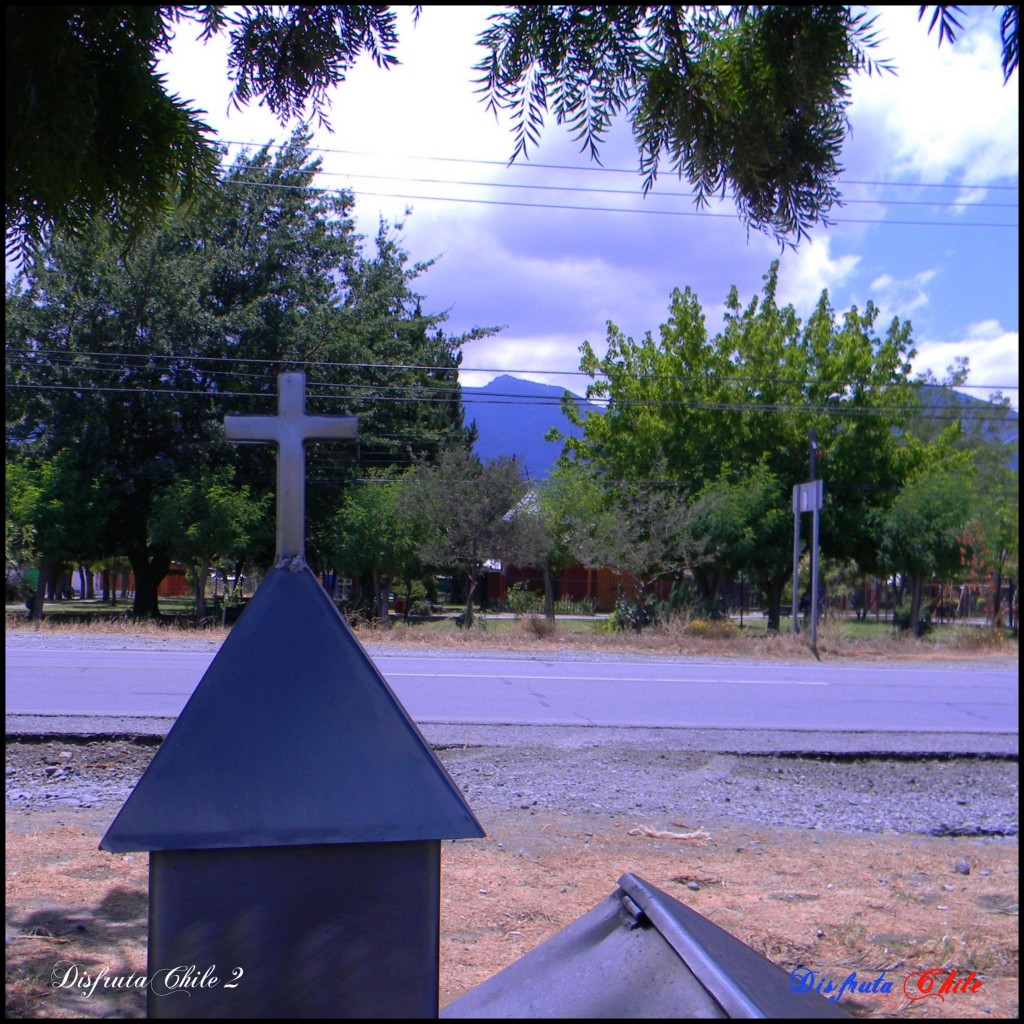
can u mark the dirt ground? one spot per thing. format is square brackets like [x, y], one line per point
[835, 902]
[832, 902]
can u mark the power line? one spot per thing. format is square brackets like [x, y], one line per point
[703, 214]
[840, 410]
[600, 191]
[73, 358]
[595, 168]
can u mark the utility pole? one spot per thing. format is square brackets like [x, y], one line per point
[813, 465]
[807, 498]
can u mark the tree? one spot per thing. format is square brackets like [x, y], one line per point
[752, 99]
[945, 16]
[134, 358]
[91, 130]
[205, 520]
[373, 539]
[21, 493]
[985, 433]
[55, 510]
[708, 412]
[579, 525]
[923, 531]
[741, 524]
[467, 512]
[997, 542]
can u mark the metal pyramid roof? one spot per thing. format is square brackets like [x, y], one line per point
[292, 737]
[642, 954]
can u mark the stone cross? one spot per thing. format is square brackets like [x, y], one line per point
[289, 429]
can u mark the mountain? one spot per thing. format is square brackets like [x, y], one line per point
[513, 415]
[978, 417]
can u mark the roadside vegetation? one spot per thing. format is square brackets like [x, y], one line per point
[680, 483]
[682, 634]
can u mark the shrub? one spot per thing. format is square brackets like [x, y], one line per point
[419, 599]
[520, 600]
[538, 626]
[712, 629]
[635, 612]
[901, 620]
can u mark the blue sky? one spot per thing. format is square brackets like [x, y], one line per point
[944, 131]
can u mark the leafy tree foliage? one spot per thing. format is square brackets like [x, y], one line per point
[741, 524]
[746, 99]
[466, 513]
[373, 539]
[92, 131]
[923, 531]
[54, 508]
[945, 17]
[579, 525]
[21, 493]
[206, 520]
[984, 433]
[717, 413]
[749, 98]
[134, 358]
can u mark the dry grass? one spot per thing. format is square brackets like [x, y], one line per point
[833, 903]
[837, 639]
[107, 627]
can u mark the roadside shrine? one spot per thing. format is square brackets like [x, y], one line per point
[294, 814]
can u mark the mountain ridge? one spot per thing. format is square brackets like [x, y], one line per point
[513, 415]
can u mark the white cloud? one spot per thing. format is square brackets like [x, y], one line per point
[993, 353]
[553, 277]
[946, 115]
[902, 296]
[804, 274]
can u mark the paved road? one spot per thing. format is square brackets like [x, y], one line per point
[607, 692]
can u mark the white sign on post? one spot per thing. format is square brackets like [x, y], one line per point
[808, 497]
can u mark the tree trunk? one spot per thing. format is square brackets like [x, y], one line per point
[774, 590]
[149, 571]
[407, 583]
[467, 615]
[199, 584]
[109, 594]
[997, 594]
[380, 597]
[916, 586]
[35, 613]
[549, 594]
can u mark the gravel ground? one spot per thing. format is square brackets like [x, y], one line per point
[652, 778]
[971, 796]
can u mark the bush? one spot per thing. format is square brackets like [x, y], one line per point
[635, 612]
[520, 600]
[901, 620]
[538, 626]
[419, 599]
[711, 629]
[646, 610]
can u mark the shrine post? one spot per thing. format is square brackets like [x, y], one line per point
[294, 812]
